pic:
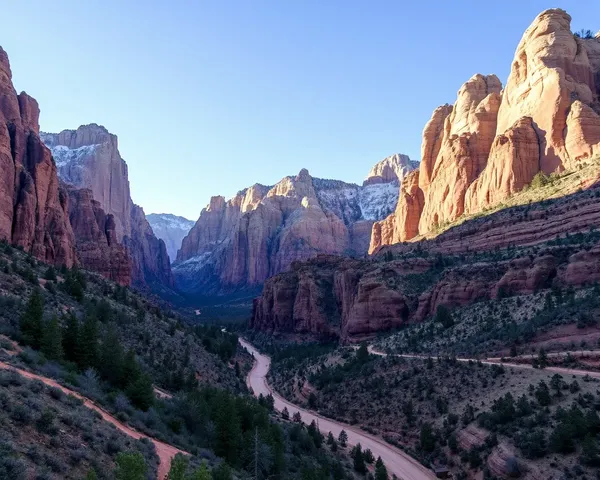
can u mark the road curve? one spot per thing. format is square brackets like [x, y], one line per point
[164, 451]
[396, 461]
[498, 361]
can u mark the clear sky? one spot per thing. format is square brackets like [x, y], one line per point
[210, 96]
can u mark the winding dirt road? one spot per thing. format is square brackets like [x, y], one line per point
[396, 461]
[164, 451]
[498, 361]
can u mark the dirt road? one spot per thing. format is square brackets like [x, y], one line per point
[396, 461]
[498, 361]
[164, 451]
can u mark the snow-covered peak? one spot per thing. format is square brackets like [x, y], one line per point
[391, 169]
[171, 229]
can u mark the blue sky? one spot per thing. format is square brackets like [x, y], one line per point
[208, 97]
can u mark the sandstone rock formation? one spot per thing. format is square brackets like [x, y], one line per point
[493, 142]
[95, 232]
[89, 158]
[33, 207]
[352, 299]
[240, 242]
[171, 229]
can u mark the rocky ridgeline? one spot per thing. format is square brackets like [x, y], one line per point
[492, 142]
[89, 158]
[241, 242]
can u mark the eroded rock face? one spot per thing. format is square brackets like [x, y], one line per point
[241, 242]
[492, 143]
[89, 158]
[95, 232]
[354, 299]
[33, 208]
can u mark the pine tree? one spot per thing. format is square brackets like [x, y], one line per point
[70, 338]
[178, 468]
[52, 340]
[141, 392]
[131, 370]
[343, 438]
[380, 470]
[202, 473]
[88, 344]
[131, 466]
[228, 429]
[50, 274]
[32, 326]
[359, 460]
[111, 356]
[222, 472]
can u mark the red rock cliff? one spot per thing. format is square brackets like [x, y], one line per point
[89, 158]
[492, 143]
[33, 208]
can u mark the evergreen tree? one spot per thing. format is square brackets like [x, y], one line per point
[178, 468]
[590, 453]
[222, 472]
[32, 326]
[542, 393]
[443, 316]
[131, 466]
[131, 370]
[343, 438]
[202, 473]
[50, 274]
[362, 354]
[228, 429]
[427, 438]
[285, 413]
[141, 392]
[88, 344]
[70, 338]
[52, 340]
[111, 356]
[368, 454]
[359, 460]
[380, 470]
[91, 475]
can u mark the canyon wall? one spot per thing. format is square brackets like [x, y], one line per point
[89, 158]
[241, 242]
[34, 211]
[492, 142]
[544, 245]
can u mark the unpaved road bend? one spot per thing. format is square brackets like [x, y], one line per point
[164, 451]
[498, 361]
[396, 461]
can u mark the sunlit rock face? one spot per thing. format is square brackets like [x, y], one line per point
[242, 241]
[493, 141]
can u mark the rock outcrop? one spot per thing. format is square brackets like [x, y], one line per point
[33, 207]
[171, 229]
[352, 299]
[96, 238]
[493, 142]
[89, 158]
[240, 242]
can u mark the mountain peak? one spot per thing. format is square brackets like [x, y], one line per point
[391, 169]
